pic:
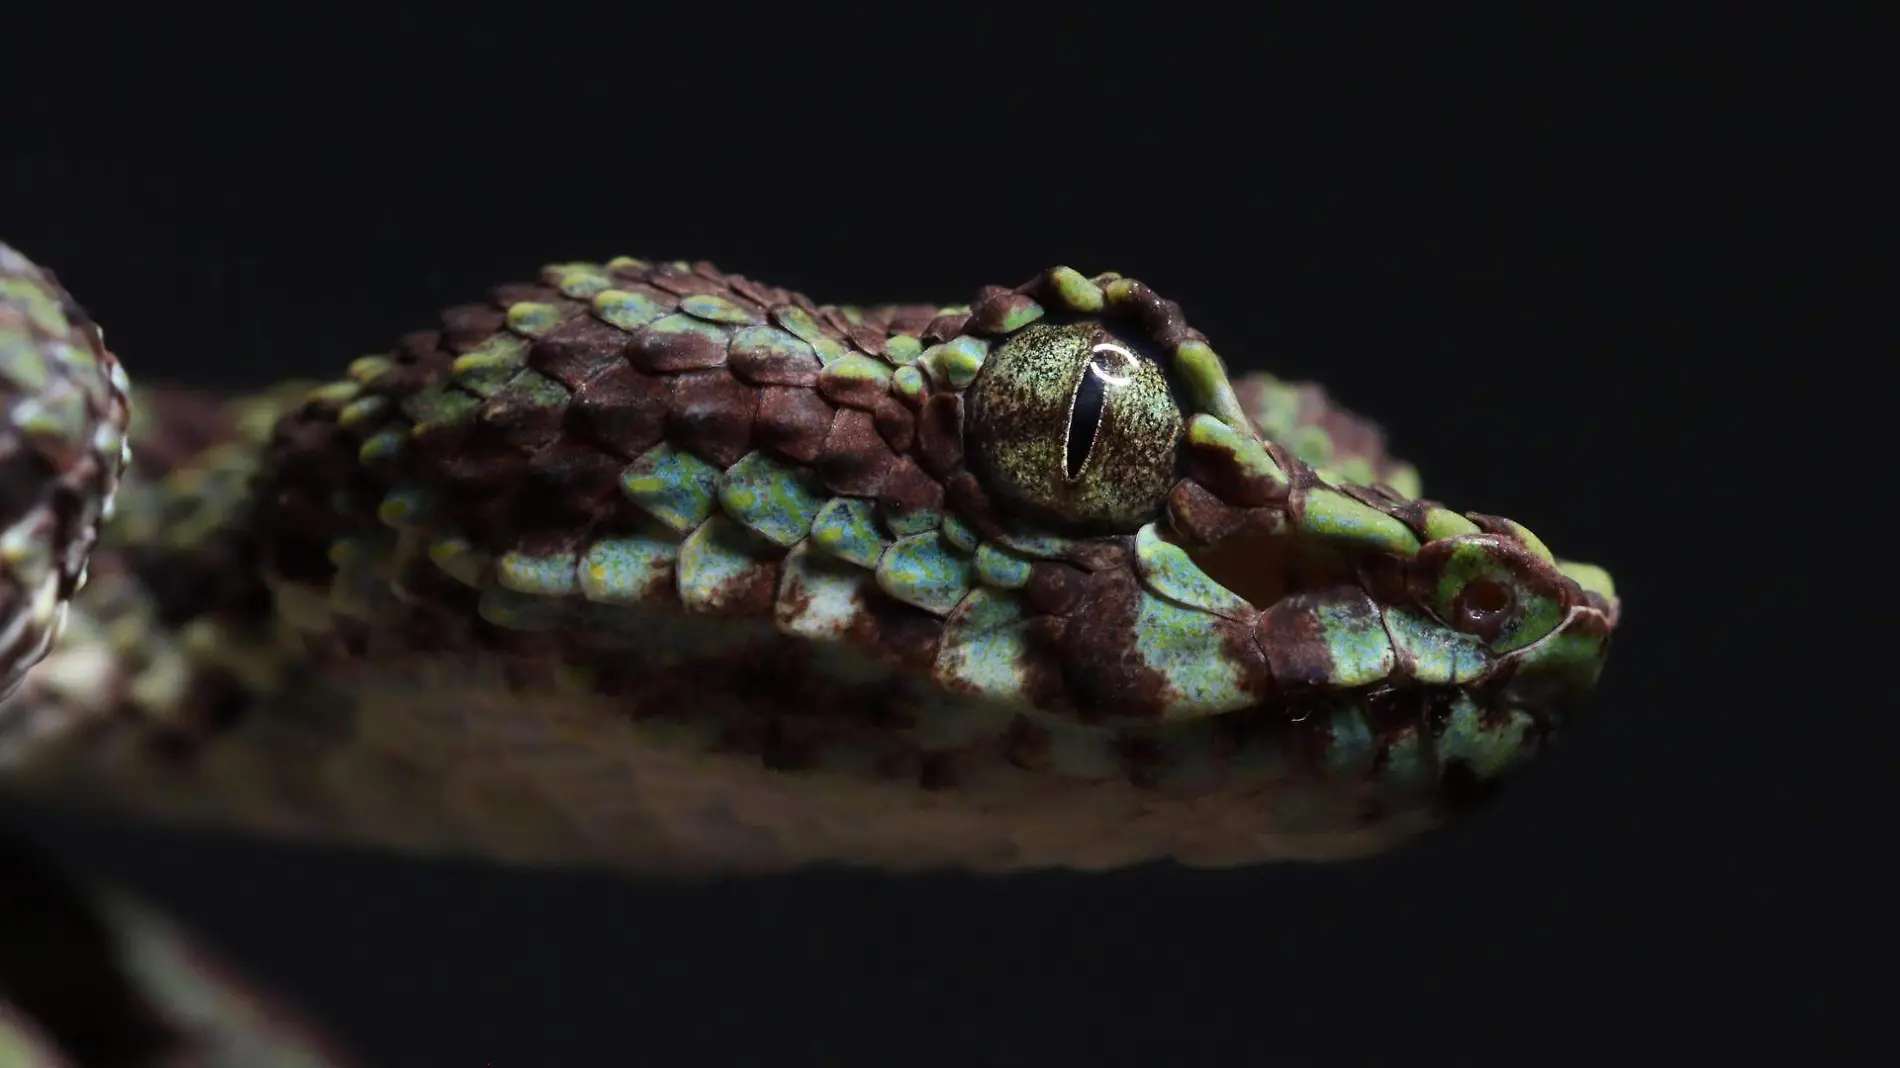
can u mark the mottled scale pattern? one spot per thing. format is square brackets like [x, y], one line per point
[646, 564]
[63, 417]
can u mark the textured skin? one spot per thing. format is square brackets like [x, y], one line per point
[649, 566]
[62, 449]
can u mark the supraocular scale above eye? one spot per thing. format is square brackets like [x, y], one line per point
[1075, 423]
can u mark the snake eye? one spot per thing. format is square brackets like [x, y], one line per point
[1077, 424]
[1490, 587]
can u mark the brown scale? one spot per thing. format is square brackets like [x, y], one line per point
[763, 295]
[1055, 587]
[1412, 513]
[666, 353]
[311, 463]
[994, 306]
[940, 434]
[577, 350]
[711, 415]
[512, 473]
[1103, 617]
[944, 327]
[765, 366]
[1199, 518]
[862, 393]
[908, 491]
[1293, 635]
[970, 500]
[794, 422]
[620, 410]
[569, 483]
[1220, 475]
[895, 423]
[702, 278]
[856, 459]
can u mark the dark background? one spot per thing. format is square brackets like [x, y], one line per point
[1583, 270]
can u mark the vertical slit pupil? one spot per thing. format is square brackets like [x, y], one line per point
[1086, 417]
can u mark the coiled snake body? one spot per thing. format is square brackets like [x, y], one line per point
[648, 565]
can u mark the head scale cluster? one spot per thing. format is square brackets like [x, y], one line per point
[1372, 595]
[1050, 510]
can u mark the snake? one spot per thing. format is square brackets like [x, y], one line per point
[649, 567]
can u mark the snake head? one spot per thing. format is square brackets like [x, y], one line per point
[1042, 533]
[1238, 570]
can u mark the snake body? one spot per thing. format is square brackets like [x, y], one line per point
[646, 565]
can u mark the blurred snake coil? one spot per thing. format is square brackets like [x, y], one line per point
[649, 566]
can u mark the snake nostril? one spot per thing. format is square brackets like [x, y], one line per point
[1484, 602]
[1488, 596]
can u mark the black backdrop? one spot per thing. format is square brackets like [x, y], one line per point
[1565, 262]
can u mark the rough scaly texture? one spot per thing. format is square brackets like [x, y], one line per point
[62, 448]
[650, 566]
